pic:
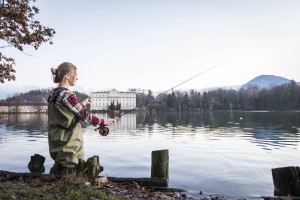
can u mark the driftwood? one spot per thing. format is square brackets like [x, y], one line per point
[166, 189]
[17, 175]
[146, 182]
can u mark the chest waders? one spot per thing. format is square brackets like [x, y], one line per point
[64, 137]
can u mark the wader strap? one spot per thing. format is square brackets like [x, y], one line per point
[55, 98]
[71, 127]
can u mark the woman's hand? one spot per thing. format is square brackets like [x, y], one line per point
[110, 122]
[107, 122]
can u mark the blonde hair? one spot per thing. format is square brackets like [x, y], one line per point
[63, 69]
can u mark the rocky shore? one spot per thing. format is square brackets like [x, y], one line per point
[45, 186]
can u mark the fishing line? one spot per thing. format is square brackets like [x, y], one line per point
[161, 95]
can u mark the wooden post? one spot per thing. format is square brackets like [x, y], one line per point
[160, 164]
[36, 164]
[286, 181]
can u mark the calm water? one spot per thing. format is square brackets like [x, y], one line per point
[226, 153]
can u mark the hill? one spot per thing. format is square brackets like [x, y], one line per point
[40, 95]
[266, 81]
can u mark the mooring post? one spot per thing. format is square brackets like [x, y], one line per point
[286, 181]
[36, 164]
[160, 164]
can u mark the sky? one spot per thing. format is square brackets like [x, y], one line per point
[157, 44]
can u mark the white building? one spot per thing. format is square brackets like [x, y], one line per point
[101, 100]
[32, 107]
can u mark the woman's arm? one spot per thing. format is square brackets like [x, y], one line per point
[70, 101]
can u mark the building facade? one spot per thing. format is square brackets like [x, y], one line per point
[102, 100]
[23, 108]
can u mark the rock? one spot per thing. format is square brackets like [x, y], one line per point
[100, 180]
[137, 186]
[184, 196]
[87, 184]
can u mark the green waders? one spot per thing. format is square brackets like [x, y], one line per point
[65, 140]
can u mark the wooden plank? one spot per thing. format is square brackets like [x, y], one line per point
[146, 182]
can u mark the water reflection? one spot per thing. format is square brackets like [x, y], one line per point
[265, 128]
[219, 152]
[30, 122]
[284, 120]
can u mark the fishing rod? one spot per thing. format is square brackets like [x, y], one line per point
[161, 95]
[103, 130]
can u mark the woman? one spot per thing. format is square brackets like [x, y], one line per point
[64, 130]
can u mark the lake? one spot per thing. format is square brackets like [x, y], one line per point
[226, 152]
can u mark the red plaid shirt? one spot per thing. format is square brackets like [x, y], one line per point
[65, 97]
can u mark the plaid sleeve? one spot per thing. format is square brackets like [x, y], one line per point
[70, 101]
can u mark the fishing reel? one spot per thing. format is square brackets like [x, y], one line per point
[103, 130]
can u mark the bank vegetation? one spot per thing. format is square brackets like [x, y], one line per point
[285, 97]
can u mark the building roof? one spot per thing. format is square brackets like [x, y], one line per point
[114, 91]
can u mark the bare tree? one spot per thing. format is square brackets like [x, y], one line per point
[18, 29]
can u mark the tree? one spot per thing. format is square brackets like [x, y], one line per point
[18, 29]
[149, 98]
[170, 101]
[112, 106]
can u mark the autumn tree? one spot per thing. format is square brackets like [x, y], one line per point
[19, 29]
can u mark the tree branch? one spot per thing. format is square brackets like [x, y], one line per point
[26, 53]
[6, 46]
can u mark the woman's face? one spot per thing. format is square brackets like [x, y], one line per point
[72, 78]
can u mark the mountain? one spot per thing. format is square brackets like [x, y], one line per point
[38, 95]
[9, 90]
[266, 81]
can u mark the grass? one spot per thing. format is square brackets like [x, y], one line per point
[68, 189]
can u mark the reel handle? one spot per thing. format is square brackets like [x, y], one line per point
[103, 130]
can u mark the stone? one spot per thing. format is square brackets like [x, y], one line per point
[87, 184]
[100, 180]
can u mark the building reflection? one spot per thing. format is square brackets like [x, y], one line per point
[268, 128]
[39, 122]
[126, 122]
[28, 121]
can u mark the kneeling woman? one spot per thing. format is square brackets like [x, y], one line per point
[64, 130]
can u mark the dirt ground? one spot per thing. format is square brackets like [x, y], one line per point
[45, 186]
[37, 186]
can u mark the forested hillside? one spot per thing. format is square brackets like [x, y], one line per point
[40, 96]
[283, 97]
